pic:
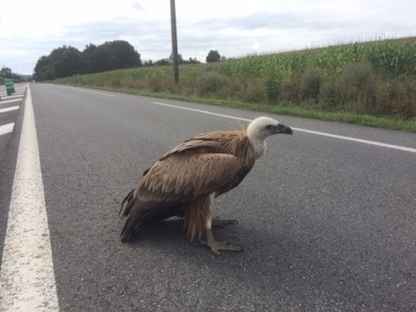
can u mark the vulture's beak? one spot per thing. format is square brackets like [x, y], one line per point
[283, 129]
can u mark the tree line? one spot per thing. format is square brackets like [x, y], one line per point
[213, 56]
[7, 73]
[67, 61]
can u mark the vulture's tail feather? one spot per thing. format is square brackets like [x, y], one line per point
[132, 223]
[130, 208]
[125, 207]
[139, 212]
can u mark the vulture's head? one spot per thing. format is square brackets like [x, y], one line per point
[259, 129]
[262, 127]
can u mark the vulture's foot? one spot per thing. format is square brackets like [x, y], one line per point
[217, 246]
[218, 222]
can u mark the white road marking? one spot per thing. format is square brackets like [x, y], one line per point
[8, 109]
[95, 92]
[10, 101]
[12, 96]
[397, 147]
[203, 111]
[21, 87]
[7, 128]
[26, 276]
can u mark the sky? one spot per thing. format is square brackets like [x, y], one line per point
[30, 29]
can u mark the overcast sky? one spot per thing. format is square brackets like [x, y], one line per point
[30, 29]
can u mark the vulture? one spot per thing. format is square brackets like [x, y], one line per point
[186, 179]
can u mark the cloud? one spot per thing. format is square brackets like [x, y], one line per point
[135, 4]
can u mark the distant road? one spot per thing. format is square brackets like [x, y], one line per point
[327, 217]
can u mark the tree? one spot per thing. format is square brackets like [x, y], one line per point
[67, 61]
[194, 61]
[6, 72]
[70, 63]
[87, 56]
[213, 56]
[148, 63]
[163, 62]
[42, 63]
[100, 60]
[123, 54]
[57, 53]
[89, 49]
[46, 73]
[62, 62]
[180, 59]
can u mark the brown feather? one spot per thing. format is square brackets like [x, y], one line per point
[213, 162]
[196, 215]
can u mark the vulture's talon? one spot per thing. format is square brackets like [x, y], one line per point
[216, 247]
[220, 223]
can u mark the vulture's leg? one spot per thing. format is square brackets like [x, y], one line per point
[217, 246]
[219, 222]
[211, 242]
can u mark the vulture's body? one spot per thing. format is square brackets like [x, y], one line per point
[185, 180]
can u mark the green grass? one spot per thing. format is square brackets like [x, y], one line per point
[368, 83]
[380, 122]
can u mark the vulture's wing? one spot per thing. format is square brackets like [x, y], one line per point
[184, 177]
[173, 180]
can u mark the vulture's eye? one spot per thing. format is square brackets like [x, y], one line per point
[268, 127]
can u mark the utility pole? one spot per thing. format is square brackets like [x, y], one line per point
[174, 42]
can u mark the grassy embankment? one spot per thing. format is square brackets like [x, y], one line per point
[370, 83]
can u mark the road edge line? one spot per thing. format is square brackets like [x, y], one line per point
[26, 275]
[341, 137]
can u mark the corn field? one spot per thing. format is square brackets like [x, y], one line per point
[389, 57]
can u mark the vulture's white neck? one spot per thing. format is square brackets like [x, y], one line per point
[258, 148]
[257, 142]
[257, 132]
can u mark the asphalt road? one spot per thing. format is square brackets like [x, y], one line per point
[326, 224]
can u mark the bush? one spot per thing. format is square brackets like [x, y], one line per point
[310, 83]
[398, 98]
[356, 75]
[290, 88]
[272, 85]
[252, 91]
[330, 95]
[358, 86]
[155, 83]
[210, 82]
